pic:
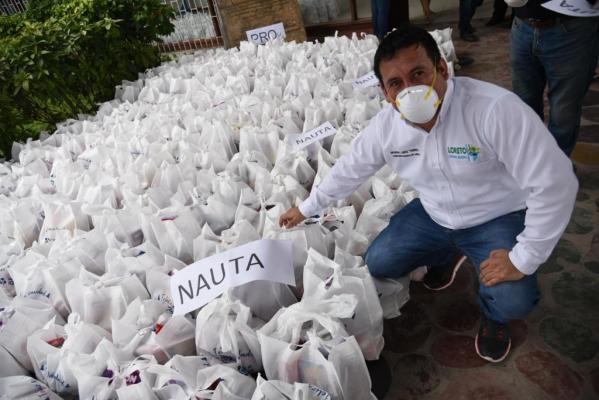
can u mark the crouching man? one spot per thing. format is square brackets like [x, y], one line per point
[494, 186]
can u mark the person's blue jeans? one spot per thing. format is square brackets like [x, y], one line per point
[467, 10]
[380, 17]
[563, 57]
[413, 239]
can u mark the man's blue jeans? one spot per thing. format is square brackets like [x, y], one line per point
[380, 17]
[563, 57]
[413, 239]
[467, 10]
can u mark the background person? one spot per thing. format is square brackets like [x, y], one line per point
[558, 52]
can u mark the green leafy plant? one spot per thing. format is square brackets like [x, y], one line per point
[62, 58]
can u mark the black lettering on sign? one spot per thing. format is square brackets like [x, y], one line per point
[187, 292]
[236, 263]
[257, 262]
[202, 283]
[313, 135]
[365, 80]
[573, 8]
[263, 37]
[222, 269]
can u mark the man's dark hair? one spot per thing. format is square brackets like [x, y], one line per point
[404, 37]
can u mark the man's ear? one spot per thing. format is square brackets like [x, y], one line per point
[443, 69]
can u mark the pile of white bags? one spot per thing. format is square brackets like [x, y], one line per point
[24, 388]
[314, 12]
[191, 160]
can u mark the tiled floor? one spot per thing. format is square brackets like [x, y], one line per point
[430, 349]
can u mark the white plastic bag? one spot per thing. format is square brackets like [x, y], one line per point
[138, 380]
[107, 369]
[133, 332]
[251, 210]
[393, 294]
[100, 299]
[225, 329]
[19, 320]
[223, 383]
[54, 350]
[324, 278]
[307, 343]
[220, 214]
[296, 166]
[41, 279]
[123, 223]
[309, 235]
[24, 388]
[10, 366]
[252, 139]
[249, 165]
[62, 218]
[275, 390]
[264, 298]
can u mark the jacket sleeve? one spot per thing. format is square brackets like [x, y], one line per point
[531, 155]
[349, 172]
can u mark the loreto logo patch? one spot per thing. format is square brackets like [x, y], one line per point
[468, 152]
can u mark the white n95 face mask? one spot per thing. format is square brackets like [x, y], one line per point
[418, 104]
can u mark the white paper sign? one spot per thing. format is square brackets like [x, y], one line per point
[301, 140]
[366, 81]
[574, 8]
[197, 284]
[266, 33]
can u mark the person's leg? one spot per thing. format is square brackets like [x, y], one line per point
[507, 300]
[426, 8]
[467, 9]
[504, 301]
[528, 75]
[466, 14]
[383, 17]
[375, 22]
[410, 240]
[569, 56]
[499, 10]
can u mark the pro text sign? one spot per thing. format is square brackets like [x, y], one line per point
[266, 33]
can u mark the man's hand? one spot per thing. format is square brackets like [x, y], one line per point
[498, 268]
[291, 218]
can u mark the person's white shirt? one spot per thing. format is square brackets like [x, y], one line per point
[488, 154]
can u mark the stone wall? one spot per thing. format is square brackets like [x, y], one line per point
[239, 16]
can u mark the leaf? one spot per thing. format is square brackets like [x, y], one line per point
[63, 56]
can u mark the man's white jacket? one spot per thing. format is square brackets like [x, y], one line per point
[488, 154]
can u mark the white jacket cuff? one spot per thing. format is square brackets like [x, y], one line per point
[522, 260]
[307, 208]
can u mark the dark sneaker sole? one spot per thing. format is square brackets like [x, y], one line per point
[453, 275]
[489, 359]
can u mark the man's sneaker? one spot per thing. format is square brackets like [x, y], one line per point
[440, 277]
[493, 341]
[469, 37]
